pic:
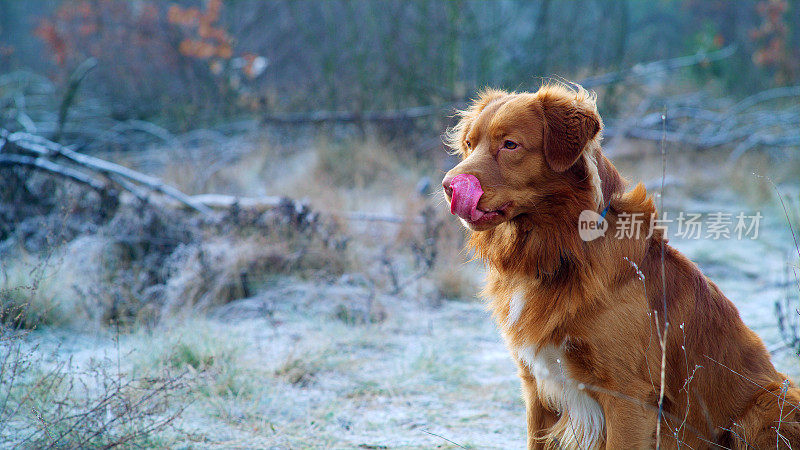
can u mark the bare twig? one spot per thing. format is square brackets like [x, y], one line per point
[662, 337]
[442, 437]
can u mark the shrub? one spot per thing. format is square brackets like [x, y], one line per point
[58, 405]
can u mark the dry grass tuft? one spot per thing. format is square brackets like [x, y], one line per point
[298, 371]
[355, 163]
[36, 292]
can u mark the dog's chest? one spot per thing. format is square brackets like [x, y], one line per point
[582, 421]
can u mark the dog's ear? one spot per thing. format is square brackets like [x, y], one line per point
[569, 125]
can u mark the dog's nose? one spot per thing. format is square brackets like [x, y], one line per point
[446, 185]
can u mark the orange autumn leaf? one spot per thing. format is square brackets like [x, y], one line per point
[197, 49]
[209, 41]
[180, 16]
[224, 51]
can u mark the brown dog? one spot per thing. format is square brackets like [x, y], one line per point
[583, 320]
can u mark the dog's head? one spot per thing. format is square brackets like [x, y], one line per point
[520, 155]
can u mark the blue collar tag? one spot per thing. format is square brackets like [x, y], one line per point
[605, 211]
[603, 214]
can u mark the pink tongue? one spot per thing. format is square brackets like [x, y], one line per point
[466, 194]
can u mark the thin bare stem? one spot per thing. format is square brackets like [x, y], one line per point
[442, 437]
[662, 336]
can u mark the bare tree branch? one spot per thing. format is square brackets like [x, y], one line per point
[49, 166]
[354, 116]
[664, 65]
[47, 149]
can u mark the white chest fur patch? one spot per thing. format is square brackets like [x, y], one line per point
[515, 307]
[582, 421]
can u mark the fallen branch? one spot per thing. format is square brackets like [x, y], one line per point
[51, 167]
[318, 117]
[38, 153]
[44, 148]
[646, 69]
[220, 201]
[747, 124]
[388, 218]
[261, 204]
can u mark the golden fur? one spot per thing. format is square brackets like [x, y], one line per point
[596, 307]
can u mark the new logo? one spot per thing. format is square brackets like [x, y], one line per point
[591, 225]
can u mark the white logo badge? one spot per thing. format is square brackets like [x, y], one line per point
[591, 225]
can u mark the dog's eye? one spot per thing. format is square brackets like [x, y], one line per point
[469, 144]
[511, 145]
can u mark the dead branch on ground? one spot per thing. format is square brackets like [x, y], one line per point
[767, 119]
[664, 65]
[28, 149]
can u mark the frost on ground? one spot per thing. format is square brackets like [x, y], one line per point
[295, 367]
[308, 362]
[287, 370]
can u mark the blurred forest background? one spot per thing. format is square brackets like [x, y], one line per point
[220, 221]
[190, 64]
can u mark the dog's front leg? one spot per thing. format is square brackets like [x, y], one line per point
[629, 424]
[540, 418]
